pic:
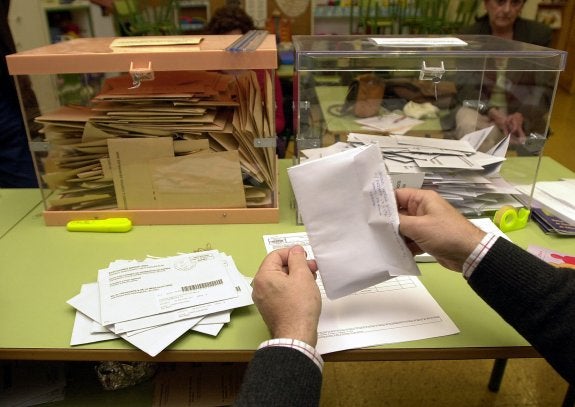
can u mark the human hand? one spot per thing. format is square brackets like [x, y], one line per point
[514, 125]
[499, 119]
[287, 295]
[511, 125]
[432, 225]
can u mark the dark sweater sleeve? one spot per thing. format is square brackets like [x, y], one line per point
[279, 376]
[537, 299]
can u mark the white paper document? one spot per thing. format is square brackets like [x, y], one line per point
[348, 207]
[430, 42]
[398, 310]
[153, 341]
[140, 289]
[166, 300]
[315, 153]
[557, 197]
[242, 298]
[475, 184]
[208, 329]
[444, 144]
[84, 330]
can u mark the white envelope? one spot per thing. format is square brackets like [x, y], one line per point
[349, 210]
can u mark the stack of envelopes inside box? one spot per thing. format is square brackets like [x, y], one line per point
[183, 140]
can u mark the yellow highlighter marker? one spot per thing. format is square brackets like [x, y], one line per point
[100, 225]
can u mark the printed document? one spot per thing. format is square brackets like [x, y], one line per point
[170, 303]
[555, 196]
[140, 289]
[394, 311]
[241, 299]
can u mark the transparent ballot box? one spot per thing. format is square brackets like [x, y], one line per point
[162, 130]
[453, 114]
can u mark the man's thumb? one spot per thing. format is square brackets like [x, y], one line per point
[297, 261]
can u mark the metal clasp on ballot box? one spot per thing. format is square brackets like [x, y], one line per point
[432, 73]
[140, 74]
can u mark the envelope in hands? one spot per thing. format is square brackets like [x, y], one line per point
[348, 206]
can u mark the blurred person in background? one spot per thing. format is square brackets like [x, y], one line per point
[514, 100]
[16, 166]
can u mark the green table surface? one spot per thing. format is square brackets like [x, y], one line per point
[15, 203]
[42, 267]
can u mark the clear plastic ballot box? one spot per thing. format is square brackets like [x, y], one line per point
[162, 130]
[447, 111]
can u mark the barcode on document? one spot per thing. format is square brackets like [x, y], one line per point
[200, 286]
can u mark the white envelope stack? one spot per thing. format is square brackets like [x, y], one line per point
[151, 303]
[469, 179]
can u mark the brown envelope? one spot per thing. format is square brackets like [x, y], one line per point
[185, 147]
[129, 160]
[204, 180]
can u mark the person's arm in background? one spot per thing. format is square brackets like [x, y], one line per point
[286, 371]
[511, 124]
[531, 91]
[537, 299]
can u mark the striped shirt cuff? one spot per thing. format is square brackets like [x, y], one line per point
[478, 254]
[303, 347]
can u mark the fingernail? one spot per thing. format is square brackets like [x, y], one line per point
[297, 249]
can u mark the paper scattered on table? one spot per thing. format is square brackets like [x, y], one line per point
[348, 206]
[151, 303]
[398, 310]
[553, 257]
[137, 289]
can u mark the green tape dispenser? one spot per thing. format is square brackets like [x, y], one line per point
[508, 218]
